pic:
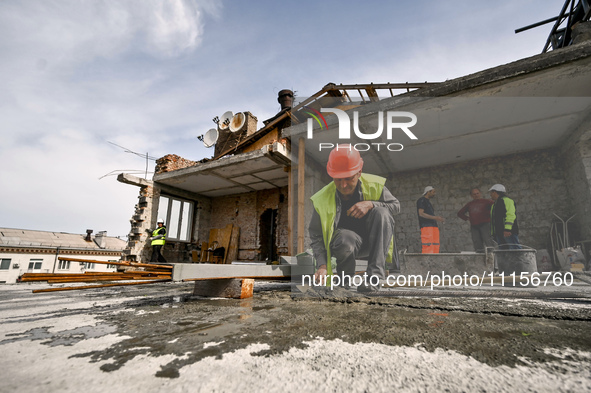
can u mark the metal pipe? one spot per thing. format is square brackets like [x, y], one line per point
[537, 24]
[567, 239]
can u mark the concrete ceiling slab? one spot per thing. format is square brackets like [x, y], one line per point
[238, 174]
[526, 105]
[451, 130]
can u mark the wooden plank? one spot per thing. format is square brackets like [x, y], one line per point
[226, 235]
[204, 246]
[94, 276]
[236, 288]
[66, 280]
[116, 263]
[97, 286]
[222, 237]
[58, 280]
[34, 275]
[232, 254]
[301, 193]
[150, 265]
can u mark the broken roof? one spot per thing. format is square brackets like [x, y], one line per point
[527, 105]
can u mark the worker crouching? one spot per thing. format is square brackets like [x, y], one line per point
[353, 217]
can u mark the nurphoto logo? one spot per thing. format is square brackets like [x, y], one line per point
[395, 121]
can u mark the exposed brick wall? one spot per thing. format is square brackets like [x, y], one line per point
[138, 248]
[172, 162]
[244, 211]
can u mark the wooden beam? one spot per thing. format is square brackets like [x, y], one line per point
[372, 94]
[236, 288]
[232, 252]
[97, 286]
[116, 263]
[301, 193]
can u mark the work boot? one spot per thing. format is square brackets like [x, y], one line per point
[363, 288]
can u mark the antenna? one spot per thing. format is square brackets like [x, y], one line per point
[225, 120]
[210, 137]
[237, 122]
[146, 156]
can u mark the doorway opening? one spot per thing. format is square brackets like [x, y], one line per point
[267, 237]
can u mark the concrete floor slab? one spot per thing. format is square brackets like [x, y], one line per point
[160, 338]
[184, 271]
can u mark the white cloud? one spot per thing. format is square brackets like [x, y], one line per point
[64, 31]
[70, 80]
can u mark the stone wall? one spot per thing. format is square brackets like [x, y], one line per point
[536, 181]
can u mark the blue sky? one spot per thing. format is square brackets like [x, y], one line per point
[150, 76]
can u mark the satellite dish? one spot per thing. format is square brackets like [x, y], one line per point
[237, 122]
[225, 120]
[210, 137]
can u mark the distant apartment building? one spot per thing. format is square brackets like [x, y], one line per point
[28, 251]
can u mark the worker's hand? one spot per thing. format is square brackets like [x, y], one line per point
[360, 209]
[439, 218]
[507, 233]
[320, 273]
[150, 238]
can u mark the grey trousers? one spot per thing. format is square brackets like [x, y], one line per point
[347, 245]
[481, 236]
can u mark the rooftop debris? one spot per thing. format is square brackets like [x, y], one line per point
[151, 273]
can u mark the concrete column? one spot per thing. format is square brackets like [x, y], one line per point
[577, 162]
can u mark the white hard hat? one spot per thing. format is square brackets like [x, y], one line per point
[160, 221]
[498, 188]
[427, 189]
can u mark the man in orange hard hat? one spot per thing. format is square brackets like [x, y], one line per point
[353, 217]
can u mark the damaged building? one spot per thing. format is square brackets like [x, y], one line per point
[234, 205]
[525, 124]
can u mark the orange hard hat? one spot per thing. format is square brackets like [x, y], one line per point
[343, 161]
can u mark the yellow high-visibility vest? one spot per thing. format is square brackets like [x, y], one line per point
[325, 204]
[161, 241]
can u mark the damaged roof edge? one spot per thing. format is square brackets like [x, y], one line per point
[276, 152]
[499, 73]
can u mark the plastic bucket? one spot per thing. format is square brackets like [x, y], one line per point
[516, 261]
[305, 259]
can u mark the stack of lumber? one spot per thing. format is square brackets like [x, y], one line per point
[149, 273]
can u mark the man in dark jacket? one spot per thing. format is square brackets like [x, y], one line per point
[504, 228]
[478, 210]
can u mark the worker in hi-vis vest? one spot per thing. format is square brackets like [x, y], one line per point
[353, 217]
[158, 239]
